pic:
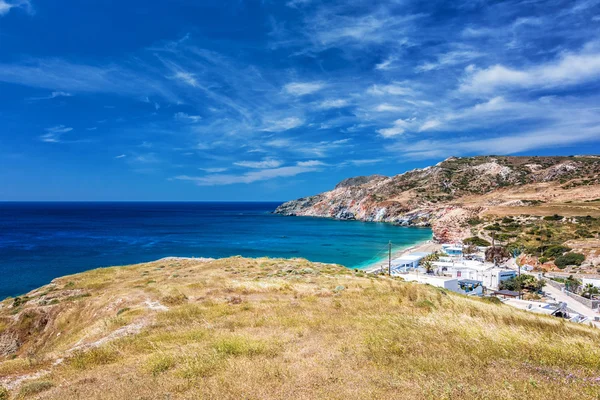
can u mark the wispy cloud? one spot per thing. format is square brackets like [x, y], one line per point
[394, 89]
[52, 95]
[63, 76]
[385, 107]
[213, 170]
[333, 103]
[249, 177]
[449, 59]
[568, 69]
[303, 88]
[53, 134]
[6, 6]
[282, 124]
[266, 163]
[398, 128]
[184, 117]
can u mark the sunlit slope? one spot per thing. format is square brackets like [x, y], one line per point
[270, 328]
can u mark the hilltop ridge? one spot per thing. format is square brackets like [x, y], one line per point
[274, 328]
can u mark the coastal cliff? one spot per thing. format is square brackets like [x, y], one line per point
[451, 194]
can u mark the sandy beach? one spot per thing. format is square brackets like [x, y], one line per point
[428, 247]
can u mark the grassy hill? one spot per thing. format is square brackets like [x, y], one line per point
[271, 328]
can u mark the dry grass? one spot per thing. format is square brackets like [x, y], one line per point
[239, 328]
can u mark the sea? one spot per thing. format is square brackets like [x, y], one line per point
[41, 241]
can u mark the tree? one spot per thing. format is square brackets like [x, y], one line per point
[572, 284]
[496, 254]
[569, 259]
[524, 282]
[428, 266]
[470, 249]
[427, 261]
[590, 290]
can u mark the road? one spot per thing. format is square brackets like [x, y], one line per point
[559, 296]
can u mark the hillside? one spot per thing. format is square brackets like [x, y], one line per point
[270, 328]
[459, 197]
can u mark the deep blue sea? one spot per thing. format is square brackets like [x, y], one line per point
[42, 241]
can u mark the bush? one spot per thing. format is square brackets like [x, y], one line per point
[97, 356]
[159, 363]
[569, 259]
[3, 393]
[476, 241]
[31, 388]
[554, 217]
[554, 250]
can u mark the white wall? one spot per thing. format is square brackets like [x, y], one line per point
[593, 281]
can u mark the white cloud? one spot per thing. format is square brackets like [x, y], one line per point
[385, 107]
[333, 103]
[62, 76]
[449, 59]
[395, 89]
[282, 124]
[266, 163]
[186, 78]
[508, 144]
[213, 170]
[249, 177]
[52, 95]
[54, 133]
[5, 6]
[399, 127]
[363, 162]
[303, 88]
[386, 64]
[184, 117]
[121, 156]
[430, 124]
[569, 69]
[311, 163]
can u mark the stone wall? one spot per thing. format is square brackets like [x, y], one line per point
[593, 304]
[586, 302]
[557, 285]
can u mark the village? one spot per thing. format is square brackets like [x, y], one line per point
[485, 271]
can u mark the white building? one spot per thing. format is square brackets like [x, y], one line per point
[487, 273]
[408, 261]
[452, 249]
[433, 280]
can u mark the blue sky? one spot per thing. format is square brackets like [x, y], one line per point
[273, 100]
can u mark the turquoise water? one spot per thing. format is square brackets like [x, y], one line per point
[41, 241]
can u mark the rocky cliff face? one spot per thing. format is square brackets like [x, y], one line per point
[435, 196]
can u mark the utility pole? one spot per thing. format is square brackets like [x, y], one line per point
[516, 253]
[390, 258]
[494, 249]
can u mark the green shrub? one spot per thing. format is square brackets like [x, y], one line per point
[476, 241]
[31, 388]
[159, 363]
[569, 259]
[553, 250]
[554, 217]
[93, 357]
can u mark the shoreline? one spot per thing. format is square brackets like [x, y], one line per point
[427, 246]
